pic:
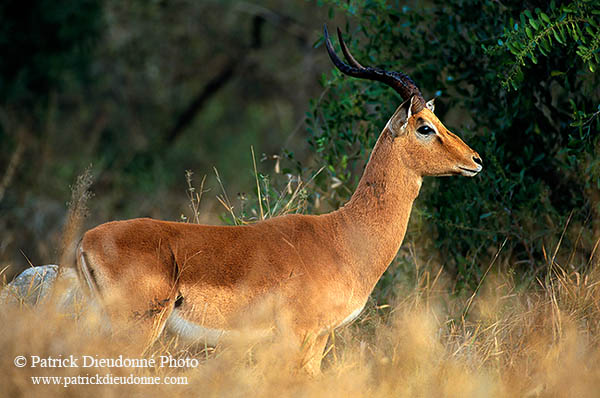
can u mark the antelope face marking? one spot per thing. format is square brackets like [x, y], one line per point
[448, 154]
[428, 147]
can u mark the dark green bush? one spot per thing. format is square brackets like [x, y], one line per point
[515, 81]
[43, 46]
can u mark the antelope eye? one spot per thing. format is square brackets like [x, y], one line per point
[425, 130]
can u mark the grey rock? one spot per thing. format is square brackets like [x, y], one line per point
[32, 286]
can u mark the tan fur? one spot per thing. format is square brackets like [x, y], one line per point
[316, 269]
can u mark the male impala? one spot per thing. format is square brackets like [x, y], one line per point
[197, 280]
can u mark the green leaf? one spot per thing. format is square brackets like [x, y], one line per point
[529, 32]
[557, 36]
[589, 30]
[580, 33]
[534, 23]
[563, 34]
[545, 17]
[545, 44]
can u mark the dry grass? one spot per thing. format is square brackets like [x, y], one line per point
[541, 341]
[503, 340]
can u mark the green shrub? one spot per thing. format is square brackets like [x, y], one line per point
[534, 122]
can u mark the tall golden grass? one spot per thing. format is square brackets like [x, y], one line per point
[503, 341]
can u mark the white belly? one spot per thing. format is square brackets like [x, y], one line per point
[353, 315]
[192, 332]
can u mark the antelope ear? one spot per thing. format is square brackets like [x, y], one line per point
[399, 120]
[430, 104]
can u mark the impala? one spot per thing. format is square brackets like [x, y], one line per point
[207, 282]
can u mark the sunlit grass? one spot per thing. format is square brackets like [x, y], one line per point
[416, 337]
[539, 341]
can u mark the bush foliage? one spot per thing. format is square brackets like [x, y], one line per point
[517, 81]
[101, 82]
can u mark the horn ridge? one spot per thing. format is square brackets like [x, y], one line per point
[343, 67]
[351, 60]
[400, 82]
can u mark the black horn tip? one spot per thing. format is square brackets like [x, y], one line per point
[334, 58]
[400, 82]
[340, 38]
[327, 39]
[351, 60]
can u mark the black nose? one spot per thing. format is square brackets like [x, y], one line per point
[477, 160]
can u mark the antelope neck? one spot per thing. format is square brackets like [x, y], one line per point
[375, 219]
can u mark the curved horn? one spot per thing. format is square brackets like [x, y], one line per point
[346, 52]
[400, 82]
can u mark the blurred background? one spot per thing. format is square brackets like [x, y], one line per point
[141, 91]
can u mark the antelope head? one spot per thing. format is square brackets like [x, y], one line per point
[425, 145]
